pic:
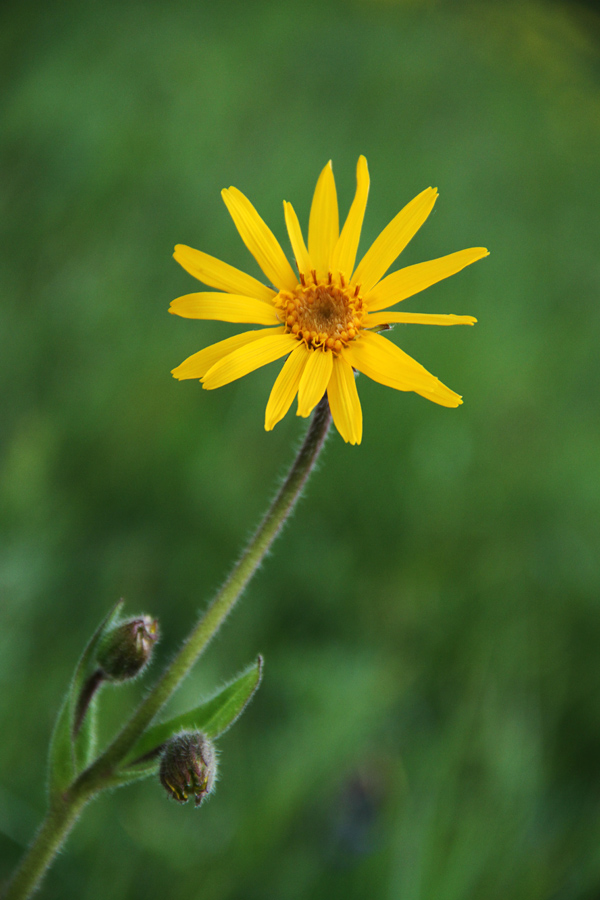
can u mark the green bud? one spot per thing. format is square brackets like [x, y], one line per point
[188, 765]
[126, 648]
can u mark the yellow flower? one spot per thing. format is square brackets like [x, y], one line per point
[326, 318]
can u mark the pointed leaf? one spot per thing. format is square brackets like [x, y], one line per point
[62, 765]
[212, 717]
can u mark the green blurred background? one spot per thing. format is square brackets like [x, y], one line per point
[429, 722]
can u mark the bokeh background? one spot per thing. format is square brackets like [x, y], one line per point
[429, 722]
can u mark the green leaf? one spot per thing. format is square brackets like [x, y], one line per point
[212, 717]
[63, 759]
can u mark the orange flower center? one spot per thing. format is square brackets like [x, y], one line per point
[322, 314]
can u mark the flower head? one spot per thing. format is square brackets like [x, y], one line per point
[325, 319]
[188, 765]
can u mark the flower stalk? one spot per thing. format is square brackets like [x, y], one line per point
[65, 809]
[226, 598]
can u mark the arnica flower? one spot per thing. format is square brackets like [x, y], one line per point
[326, 318]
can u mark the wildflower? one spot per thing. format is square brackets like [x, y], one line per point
[326, 319]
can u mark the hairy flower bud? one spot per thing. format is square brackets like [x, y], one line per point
[188, 765]
[126, 648]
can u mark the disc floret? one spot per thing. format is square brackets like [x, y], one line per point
[322, 313]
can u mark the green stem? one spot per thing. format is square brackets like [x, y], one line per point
[225, 600]
[62, 816]
[52, 834]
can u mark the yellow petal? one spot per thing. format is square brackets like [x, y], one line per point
[248, 358]
[393, 239]
[449, 399]
[220, 275]
[225, 308]
[303, 260]
[344, 254]
[286, 386]
[323, 224]
[197, 365]
[260, 240]
[386, 363]
[314, 381]
[389, 318]
[344, 403]
[406, 282]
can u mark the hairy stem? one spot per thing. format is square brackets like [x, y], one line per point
[227, 597]
[52, 834]
[63, 814]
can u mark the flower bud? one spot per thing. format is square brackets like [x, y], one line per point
[188, 765]
[126, 648]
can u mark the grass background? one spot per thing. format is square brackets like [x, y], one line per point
[429, 722]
